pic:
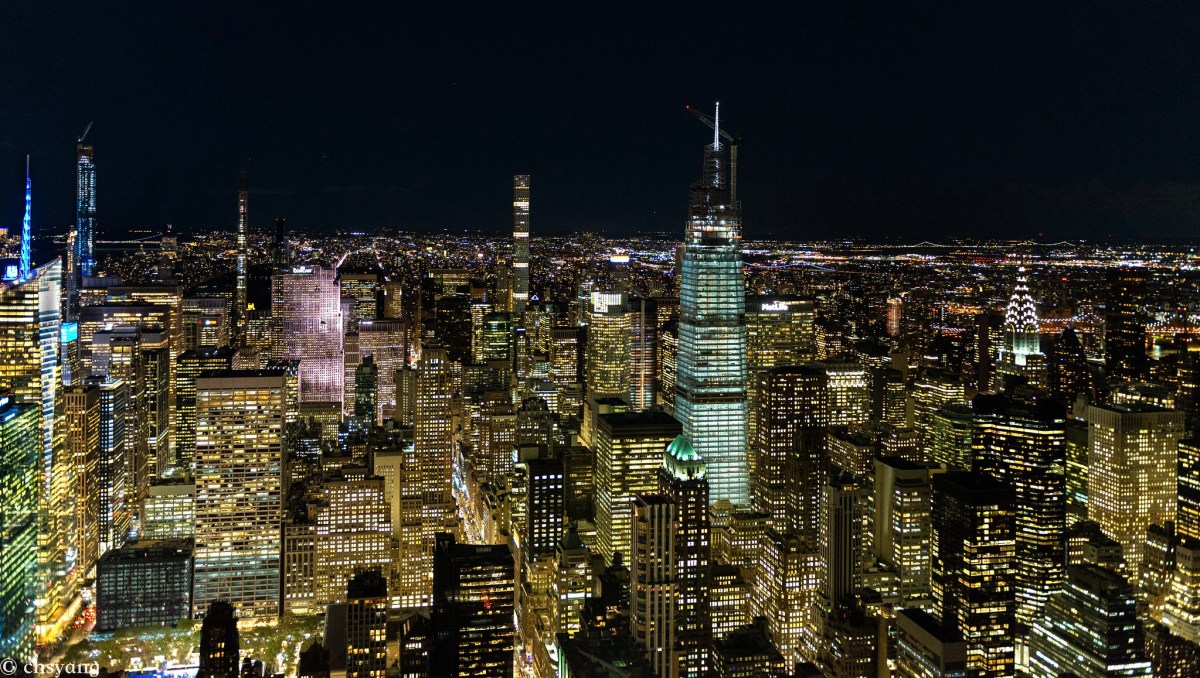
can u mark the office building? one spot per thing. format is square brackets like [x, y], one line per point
[85, 208]
[239, 501]
[643, 353]
[747, 653]
[927, 649]
[1021, 357]
[629, 451]
[19, 453]
[1090, 629]
[654, 587]
[169, 511]
[366, 625]
[683, 479]
[1125, 320]
[1132, 466]
[790, 446]
[546, 508]
[973, 552]
[353, 532]
[903, 526]
[306, 325]
[30, 353]
[473, 601]
[711, 382]
[1024, 447]
[191, 365]
[786, 592]
[143, 584]
[82, 422]
[608, 345]
[115, 517]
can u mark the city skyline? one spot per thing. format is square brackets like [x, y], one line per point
[705, 448]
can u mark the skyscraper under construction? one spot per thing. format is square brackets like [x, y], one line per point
[710, 389]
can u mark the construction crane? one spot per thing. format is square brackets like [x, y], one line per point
[733, 149]
[85, 132]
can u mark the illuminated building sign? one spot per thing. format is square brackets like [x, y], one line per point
[11, 271]
[69, 332]
[774, 306]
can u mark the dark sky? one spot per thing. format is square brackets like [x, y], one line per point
[895, 121]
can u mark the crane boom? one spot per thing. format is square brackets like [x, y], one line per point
[85, 132]
[708, 120]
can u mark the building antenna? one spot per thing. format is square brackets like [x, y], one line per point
[717, 128]
[26, 236]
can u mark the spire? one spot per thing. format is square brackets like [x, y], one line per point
[26, 236]
[717, 128]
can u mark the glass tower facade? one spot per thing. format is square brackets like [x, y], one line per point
[85, 209]
[710, 385]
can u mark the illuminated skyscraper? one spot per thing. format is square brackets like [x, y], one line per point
[354, 533]
[433, 441]
[779, 332]
[1025, 447]
[643, 353]
[239, 502]
[683, 479]
[786, 590]
[790, 446]
[710, 387]
[903, 527]
[1022, 355]
[306, 317]
[85, 208]
[19, 452]
[1132, 469]
[973, 548]
[520, 257]
[608, 344]
[30, 351]
[653, 585]
[83, 444]
[239, 294]
[629, 450]
[113, 475]
[1090, 629]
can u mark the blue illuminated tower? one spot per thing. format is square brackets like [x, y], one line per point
[85, 207]
[26, 241]
[710, 389]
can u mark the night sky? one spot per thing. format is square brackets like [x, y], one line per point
[900, 122]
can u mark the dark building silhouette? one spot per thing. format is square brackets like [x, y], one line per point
[366, 625]
[220, 655]
[1125, 325]
[314, 661]
[473, 601]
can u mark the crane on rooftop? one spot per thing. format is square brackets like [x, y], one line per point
[85, 132]
[733, 148]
